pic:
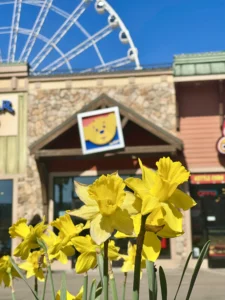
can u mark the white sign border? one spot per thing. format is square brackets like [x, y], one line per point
[80, 117]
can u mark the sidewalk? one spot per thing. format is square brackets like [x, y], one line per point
[210, 285]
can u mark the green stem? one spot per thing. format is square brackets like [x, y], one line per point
[137, 266]
[36, 285]
[105, 272]
[50, 275]
[112, 283]
[124, 286]
[12, 287]
[45, 285]
[85, 293]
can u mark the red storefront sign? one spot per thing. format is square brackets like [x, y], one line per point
[207, 178]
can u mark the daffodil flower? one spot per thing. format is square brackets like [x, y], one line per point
[6, 269]
[107, 206]
[58, 250]
[29, 234]
[66, 227]
[88, 248]
[129, 260]
[151, 245]
[160, 196]
[70, 296]
[34, 265]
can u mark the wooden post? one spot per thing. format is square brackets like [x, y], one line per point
[43, 173]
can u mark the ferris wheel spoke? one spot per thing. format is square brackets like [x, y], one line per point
[59, 34]
[82, 29]
[79, 49]
[109, 66]
[36, 30]
[14, 30]
[46, 40]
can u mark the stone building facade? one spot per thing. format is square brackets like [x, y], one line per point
[53, 100]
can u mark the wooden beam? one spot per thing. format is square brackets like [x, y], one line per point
[127, 150]
[43, 173]
[124, 122]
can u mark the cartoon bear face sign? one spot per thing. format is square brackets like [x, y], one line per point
[100, 130]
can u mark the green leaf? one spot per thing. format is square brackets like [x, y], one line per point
[93, 290]
[98, 290]
[100, 265]
[163, 283]
[42, 244]
[63, 288]
[23, 277]
[152, 281]
[197, 268]
[182, 276]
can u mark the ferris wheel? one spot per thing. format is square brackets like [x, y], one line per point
[65, 35]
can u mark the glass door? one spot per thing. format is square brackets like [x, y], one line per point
[6, 196]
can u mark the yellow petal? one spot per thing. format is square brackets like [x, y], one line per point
[181, 200]
[173, 222]
[80, 294]
[68, 250]
[84, 244]
[101, 229]
[172, 172]
[82, 193]
[148, 175]
[39, 274]
[113, 251]
[138, 186]
[149, 203]
[127, 266]
[85, 262]
[122, 221]
[131, 203]
[68, 296]
[19, 229]
[155, 221]
[85, 212]
[151, 246]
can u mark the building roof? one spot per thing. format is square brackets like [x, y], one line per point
[209, 63]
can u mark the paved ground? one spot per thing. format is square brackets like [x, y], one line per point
[210, 285]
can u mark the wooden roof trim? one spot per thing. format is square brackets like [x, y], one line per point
[125, 111]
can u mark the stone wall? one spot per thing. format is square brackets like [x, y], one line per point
[50, 107]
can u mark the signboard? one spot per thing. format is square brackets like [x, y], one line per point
[221, 142]
[100, 130]
[207, 178]
[8, 115]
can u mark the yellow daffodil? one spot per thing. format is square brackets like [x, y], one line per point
[66, 227]
[88, 248]
[6, 269]
[129, 260]
[160, 196]
[107, 206]
[71, 297]
[34, 265]
[151, 246]
[29, 234]
[57, 249]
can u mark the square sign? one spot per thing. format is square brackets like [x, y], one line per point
[100, 130]
[8, 115]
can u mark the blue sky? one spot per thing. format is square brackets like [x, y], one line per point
[159, 29]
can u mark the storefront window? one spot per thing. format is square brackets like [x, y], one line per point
[5, 216]
[65, 198]
[208, 219]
